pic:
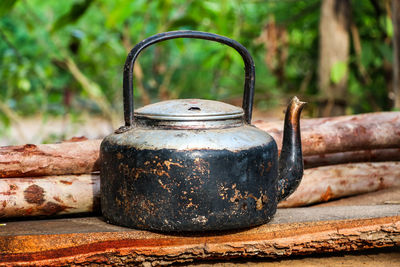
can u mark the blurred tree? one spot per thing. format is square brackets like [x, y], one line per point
[334, 48]
[396, 52]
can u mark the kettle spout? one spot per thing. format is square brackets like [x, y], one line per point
[291, 159]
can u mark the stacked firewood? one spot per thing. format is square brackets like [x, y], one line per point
[343, 156]
[49, 179]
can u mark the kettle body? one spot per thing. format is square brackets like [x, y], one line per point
[184, 179]
[196, 165]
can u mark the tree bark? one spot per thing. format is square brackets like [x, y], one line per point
[334, 43]
[372, 155]
[325, 183]
[396, 52]
[388, 196]
[50, 159]
[49, 195]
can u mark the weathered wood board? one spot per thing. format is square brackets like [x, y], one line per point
[298, 231]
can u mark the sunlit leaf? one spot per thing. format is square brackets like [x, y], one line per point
[24, 85]
[338, 71]
[388, 26]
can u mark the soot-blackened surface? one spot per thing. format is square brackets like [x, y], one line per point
[196, 190]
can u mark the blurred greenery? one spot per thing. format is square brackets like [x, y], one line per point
[67, 56]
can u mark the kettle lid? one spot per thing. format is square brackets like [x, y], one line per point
[189, 110]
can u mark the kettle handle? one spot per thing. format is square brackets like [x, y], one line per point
[248, 94]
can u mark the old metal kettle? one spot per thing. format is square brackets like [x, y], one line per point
[196, 165]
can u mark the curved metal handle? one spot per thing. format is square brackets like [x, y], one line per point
[248, 94]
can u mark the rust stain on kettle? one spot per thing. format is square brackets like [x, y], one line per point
[164, 186]
[169, 163]
[157, 168]
[202, 166]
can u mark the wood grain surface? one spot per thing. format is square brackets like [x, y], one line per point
[298, 231]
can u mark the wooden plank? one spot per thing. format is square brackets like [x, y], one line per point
[299, 231]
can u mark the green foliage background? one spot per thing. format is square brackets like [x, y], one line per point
[38, 37]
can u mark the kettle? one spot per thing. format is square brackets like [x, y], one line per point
[196, 165]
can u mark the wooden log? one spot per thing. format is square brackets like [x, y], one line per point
[386, 196]
[302, 231]
[319, 137]
[372, 155]
[50, 159]
[325, 183]
[343, 133]
[49, 195]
